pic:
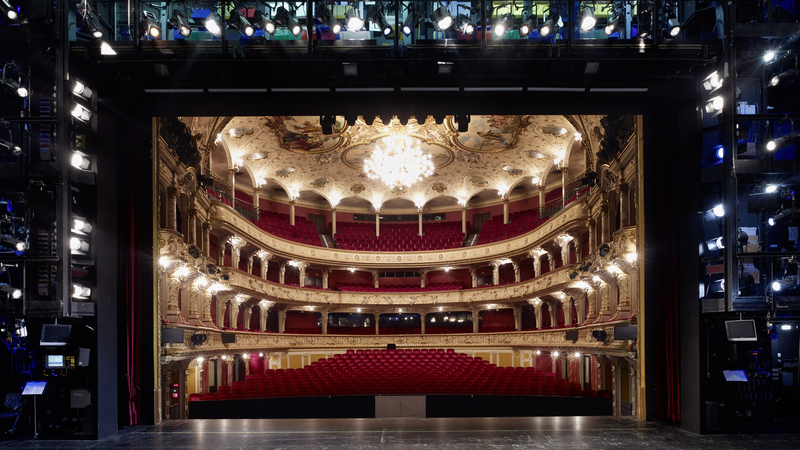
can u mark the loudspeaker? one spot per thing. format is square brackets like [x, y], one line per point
[171, 336]
[228, 338]
[625, 332]
[83, 357]
[571, 335]
[391, 347]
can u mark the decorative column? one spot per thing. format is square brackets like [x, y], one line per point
[422, 315]
[247, 311]
[324, 316]
[476, 318]
[605, 225]
[551, 261]
[591, 294]
[172, 207]
[564, 183]
[205, 298]
[325, 274]
[505, 208]
[515, 265]
[173, 285]
[282, 321]
[222, 300]
[464, 220]
[590, 224]
[536, 256]
[518, 318]
[232, 180]
[206, 239]
[193, 294]
[377, 317]
[249, 263]
[542, 197]
[233, 311]
[229, 363]
[632, 388]
[580, 307]
[553, 313]
[333, 220]
[301, 266]
[624, 305]
[167, 392]
[263, 312]
[375, 278]
[473, 273]
[576, 242]
[246, 358]
[191, 231]
[257, 199]
[537, 310]
[624, 212]
[282, 272]
[420, 222]
[221, 253]
[291, 211]
[614, 401]
[377, 222]
[237, 244]
[264, 257]
[496, 272]
[566, 306]
[563, 242]
[604, 315]
[422, 274]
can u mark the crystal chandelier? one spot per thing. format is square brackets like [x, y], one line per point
[397, 160]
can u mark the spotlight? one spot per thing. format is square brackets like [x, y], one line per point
[714, 213]
[10, 11]
[11, 291]
[780, 78]
[556, 354]
[411, 19]
[82, 91]
[10, 147]
[719, 152]
[786, 327]
[150, 25]
[538, 352]
[769, 56]
[441, 18]
[551, 25]
[604, 250]
[712, 82]
[81, 226]
[212, 24]
[353, 20]
[14, 243]
[80, 161]
[527, 26]
[770, 188]
[379, 18]
[502, 24]
[715, 244]
[670, 12]
[714, 105]
[644, 17]
[263, 21]
[81, 292]
[240, 23]
[771, 221]
[325, 16]
[587, 20]
[197, 339]
[577, 354]
[775, 144]
[78, 246]
[776, 286]
[464, 25]
[615, 22]
[284, 18]
[81, 113]
[179, 22]
[673, 26]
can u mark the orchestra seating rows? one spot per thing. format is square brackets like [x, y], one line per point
[364, 287]
[398, 237]
[277, 224]
[519, 223]
[400, 372]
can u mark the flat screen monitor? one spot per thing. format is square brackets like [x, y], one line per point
[54, 335]
[34, 387]
[54, 362]
[741, 330]
[734, 375]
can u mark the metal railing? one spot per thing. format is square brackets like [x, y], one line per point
[550, 208]
[247, 210]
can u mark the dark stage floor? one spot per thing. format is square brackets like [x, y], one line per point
[447, 433]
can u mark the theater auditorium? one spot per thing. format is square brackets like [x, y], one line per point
[399, 223]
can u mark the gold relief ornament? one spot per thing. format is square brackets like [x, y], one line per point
[357, 188]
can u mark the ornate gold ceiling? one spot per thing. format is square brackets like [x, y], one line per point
[289, 155]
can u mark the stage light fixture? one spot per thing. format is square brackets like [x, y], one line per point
[284, 18]
[81, 292]
[150, 25]
[464, 25]
[14, 243]
[11, 291]
[616, 21]
[10, 11]
[441, 18]
[80, 161]
[502, 24]
[82, 91]
[10, 147]
[776, 286]
[412, 19]
[106, 49]
[81, 113]
[712, 82]
[782, 78]
[212, 24]
[263, 21]
[786, 327]
[551, 25]
[527, 26]
[644, 18]
[81, 226]
[353, 20]
[714, 105]
[587, 20]
[669, 12]
[771, 221]
[325, 15]
[179, 22]
[378, 17]
[770, 188]
[769, 56]
[719, 152]
[714, 213]
[717, 243]
[240, 23]
[604, 250]
[783, 141]
[78, 246]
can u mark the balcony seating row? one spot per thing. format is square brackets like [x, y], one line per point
[399, 236]
[276, 224]
[399, 372]
[519, 223]
[364, 287]
[448, 330]
[359, 331]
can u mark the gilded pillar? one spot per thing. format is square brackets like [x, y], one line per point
[604, 315]
[324, 317]
[282, 321]
[282, 272]
[191, 232]
[173, 306]
[172, 207]
[206, 239]
[264, 257]
[205, 299]
[473, 273]
[505, 208]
